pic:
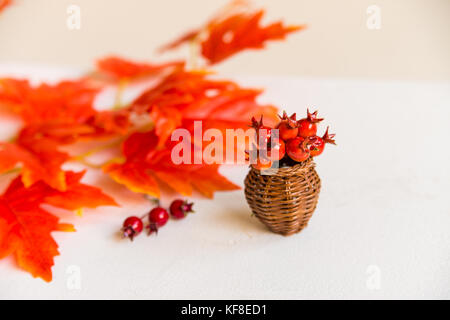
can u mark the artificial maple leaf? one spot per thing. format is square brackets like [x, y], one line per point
[25, 232]
[195, 34]
[37, 146]
[67, 102]
[136, 176]
[110, 122]
[119, 68]
[25, 227]
[240, 32]
[4, 4]
[165, 120]
[234, 29]
[185, 97]
[78, 195]
[100, 125]
[40, 161]
[187, 37]
[179, 89]
[146, 170]
[59, 133]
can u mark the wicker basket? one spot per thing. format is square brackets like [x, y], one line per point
[286, 200]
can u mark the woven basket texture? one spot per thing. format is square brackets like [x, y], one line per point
[285, 200]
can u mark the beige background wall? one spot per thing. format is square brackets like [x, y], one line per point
[413, 42]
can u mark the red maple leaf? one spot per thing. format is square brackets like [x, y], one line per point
[25, 227]
[184, 97]
[67, 102]
[239, 32]
[234, 29]
[119, 68]
[54, 115]
[107, 123]
[78, 195]
[147, 169]
[187, 37]
[40, 161]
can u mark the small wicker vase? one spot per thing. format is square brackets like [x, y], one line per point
[286, 200]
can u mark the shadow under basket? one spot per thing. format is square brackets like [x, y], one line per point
[284, 199]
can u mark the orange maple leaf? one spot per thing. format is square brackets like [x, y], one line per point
[187, 37]
[78, 195]
[240, 32]
[184, 97]
[25, 227]
[54, 115]
[119, 68]
[107, 123]
[68, 102]
[40, 161]
[147, 169]
[236, 28]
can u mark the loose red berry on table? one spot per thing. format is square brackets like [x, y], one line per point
[132, 227]
[158, 217]
[180, 208]
[308, 127]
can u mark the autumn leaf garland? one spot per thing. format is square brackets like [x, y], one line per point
[56, 116]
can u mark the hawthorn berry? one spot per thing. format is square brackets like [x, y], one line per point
[258, 159]
[317, 144]
[298, 149]
[158, 217]
[263, 133]
[288, 126]
[132, 227]
[276, 152]
[179, 209]
[308, 127]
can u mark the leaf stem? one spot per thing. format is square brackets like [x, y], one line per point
[89, 153]
[193, 53]
[15, 170]
[119, 93]
[100, 165]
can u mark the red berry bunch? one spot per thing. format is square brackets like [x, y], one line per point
[157, 218]
[297, 141]
[268, 147]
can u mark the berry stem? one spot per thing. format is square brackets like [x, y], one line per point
[144, 216]
[154, 201]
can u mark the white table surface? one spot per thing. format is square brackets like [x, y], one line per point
[381, 230]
